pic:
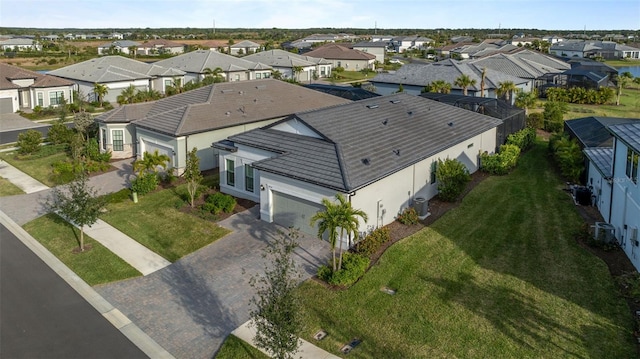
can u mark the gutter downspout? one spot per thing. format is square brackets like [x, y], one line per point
[613, 173]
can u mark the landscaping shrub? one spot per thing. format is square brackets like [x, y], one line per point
[554, 115]
[452, 177]
[46, 151]
[373, 241]
[535, 120]
[353, 267]
[581, 95]
[92, 166]
[409, 216]
[29, 142]
[502, 162]
[92, 150]
[59, 133]
[144, 183]
[63, 172]
[523, 138]
[568, 156]
[219, 202]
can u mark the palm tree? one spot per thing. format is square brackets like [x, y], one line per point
[150, 162]
[127, 95]
[212, 76]
[328, 222]
[276, 74]
[101, 91]
[440, 86]
[463, 82]
[296, 72]
[348, 221]
[622, 81]
[526, 100]
[484, 75]
[506, 89]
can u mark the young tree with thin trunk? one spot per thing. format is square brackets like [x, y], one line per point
[526, 100]
[276, 314]
[482, 81]
[328, 222]
[100, 91]
[78, 203]
[192, 175]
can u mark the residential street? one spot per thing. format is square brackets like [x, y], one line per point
[43, 317]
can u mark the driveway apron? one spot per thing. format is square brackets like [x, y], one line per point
[191, 306]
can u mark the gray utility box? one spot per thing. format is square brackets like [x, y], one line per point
[421, 205]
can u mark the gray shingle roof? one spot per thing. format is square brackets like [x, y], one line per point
[221, 105]
[602, 158]
[526, 65]
[281, 58]
[592, 131]
[372, 139]
[629, 133]
[113, 69]
[198, 61]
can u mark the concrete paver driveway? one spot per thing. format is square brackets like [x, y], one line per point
[190, 306]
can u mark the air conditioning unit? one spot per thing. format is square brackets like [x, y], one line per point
[633, 236]
[605, 232]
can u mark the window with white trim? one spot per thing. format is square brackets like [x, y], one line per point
[248, 178]
[104, 139]
[40, 99]
[118, 140]
[632, 165]
[231, 172]
[56, 97]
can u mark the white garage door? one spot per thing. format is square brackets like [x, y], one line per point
[290, 211]
[6, 105]
[163, 150]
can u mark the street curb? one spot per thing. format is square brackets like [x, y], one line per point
[108, 311]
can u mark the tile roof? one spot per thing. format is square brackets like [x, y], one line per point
[422, 74]
[198, 61]
[9, 73]
[629, 133]
[113, 69]
[244, 43]
[602, 158]
[406, 129]
[338, 52]
[592, 131]
[281, 58]
[221, 105]
[527, 65]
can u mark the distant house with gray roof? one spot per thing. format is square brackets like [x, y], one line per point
[380, 153]
[116, 47]
[196, 63]
[118, 73]
[160, 47]
[593, 49]
[287, 63]
[176, 124]
[244, 47]
[377, 48]
[20, 44]
[24, 89]
[343, 56]
[415, 76]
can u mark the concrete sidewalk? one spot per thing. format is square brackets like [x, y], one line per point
[306, 350]
[20, 179]
[134, 253]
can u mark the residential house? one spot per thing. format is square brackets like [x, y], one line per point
[345, 91]
[342, 56]
[290, 166]
[196, 64]
[174, 125]
[299, 46]
[377, 48]
[593, 49]
[20, 44]
[125, 47]
[625, 197]
[552, 39]
[116, 36]
[160, 47]
[293, 66]
[245, 47]
[50, 37]
[383, 38]
[445, 51]
[415, 76]
[403, 43]
[587, 73]
[485, 48]
[24, 89]
[118, 73]
[319, 38]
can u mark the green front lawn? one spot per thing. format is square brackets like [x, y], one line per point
[236, 348]
[629, 106]
[156, 223]
[8, 189]
[38, 168]
[501, 276]
[95, 266]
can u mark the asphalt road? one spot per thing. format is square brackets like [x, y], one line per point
[11, 136]
[41, 316]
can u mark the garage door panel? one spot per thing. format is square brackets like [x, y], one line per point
[152, 147]
[6, 105]
[290, 211]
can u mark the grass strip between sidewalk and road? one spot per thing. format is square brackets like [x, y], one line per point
[96, 265]
[236, 348]
[157, 224]
[8, 189]
[500, 276]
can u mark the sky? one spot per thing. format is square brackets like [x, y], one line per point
[302, 14]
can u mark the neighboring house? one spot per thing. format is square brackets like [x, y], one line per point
[245, 47]
[24, 89]
[160, 47]
[593, 49]
[299, 46]
[174, 125]
[317, 38]
[377, 48]
[301, 67]
[291, 165]
[347, 92]
[120, 46]
[538, 68]
[445, 51]
[552, 39]
[415, 76]
[383, 38]
[625, 197]
[342, 56]
[118, 73]
[587, 73]
[20, 44]
[196, 63]
[50, 37]
[523, 41]
[403, 43]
